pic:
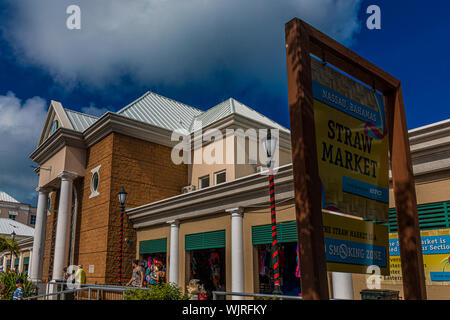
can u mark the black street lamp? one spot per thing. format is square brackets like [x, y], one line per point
[13, 236]
[122, 199]
[270, 144]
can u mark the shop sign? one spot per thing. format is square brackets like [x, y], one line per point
[352, 245]
[352, 152]
[436, 256]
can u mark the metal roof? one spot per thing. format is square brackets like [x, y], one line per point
[228, 107]
[7, 226]
[220, 111]
[6, 197]
[161, 111]
[80, 121]
[169, 114]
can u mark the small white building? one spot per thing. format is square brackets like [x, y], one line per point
[24, 236]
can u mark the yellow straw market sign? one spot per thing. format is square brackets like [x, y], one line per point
[352, 245]
[352, 151]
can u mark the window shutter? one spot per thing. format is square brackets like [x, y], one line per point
[431, 216]
[286, 232]
[153, 246]
[205, 240]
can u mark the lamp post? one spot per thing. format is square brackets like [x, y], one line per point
[122, 199]
[270, 144]
[13, 236]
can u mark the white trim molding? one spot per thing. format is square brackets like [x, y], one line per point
[94, 192]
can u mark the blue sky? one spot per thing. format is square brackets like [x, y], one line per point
[197, 54]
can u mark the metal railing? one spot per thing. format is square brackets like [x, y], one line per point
[254, 295]
[84, 292]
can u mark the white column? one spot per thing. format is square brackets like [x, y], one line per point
[12, 264]
[30, 261]
[39, 235]
[4, 263]
[63, 224]
[21, 261]
[173, 263]
[237, 252]
[342, 285]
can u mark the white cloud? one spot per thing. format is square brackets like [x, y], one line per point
[20, 125]
[94, 111]
[167, 41]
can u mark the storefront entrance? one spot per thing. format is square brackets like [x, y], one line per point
[206, 262]
[154, 265]
[288, 258]
[153, 259]
[208, 266]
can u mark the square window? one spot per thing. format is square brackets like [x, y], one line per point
[220, 177]
[33, 220]
[203, 182]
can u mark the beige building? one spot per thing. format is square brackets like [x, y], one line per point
[198, 210]
[202, 221]
[23, 235]
[12, 209]
[84, 161]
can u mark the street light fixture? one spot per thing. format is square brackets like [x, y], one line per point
[122, 199]
[270, 144]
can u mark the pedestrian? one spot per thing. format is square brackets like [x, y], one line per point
[161, 274]
[80, 275]
[18, 293]
[65, 274]
[137, 278]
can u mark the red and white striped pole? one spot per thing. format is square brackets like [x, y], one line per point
[119, 277]
[270, 145]
[275, 257]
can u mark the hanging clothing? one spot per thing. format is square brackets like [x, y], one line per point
[261, 266]
[214, 263]
[281, 256]
[297, 260]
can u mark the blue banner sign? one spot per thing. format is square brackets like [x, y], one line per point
[342, 251]
[440, 276]
[347, 105]
[364, 189]
[430, 245]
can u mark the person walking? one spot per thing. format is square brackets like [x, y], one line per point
[80, 275]
[137, 278]
[18, 293]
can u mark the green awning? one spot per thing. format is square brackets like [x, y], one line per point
[153, 246]
[205, 240]
[286, 232]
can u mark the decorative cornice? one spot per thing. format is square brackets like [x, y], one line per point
[61, 138]
[112, 122]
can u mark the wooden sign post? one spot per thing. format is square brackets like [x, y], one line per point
[302, 40]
